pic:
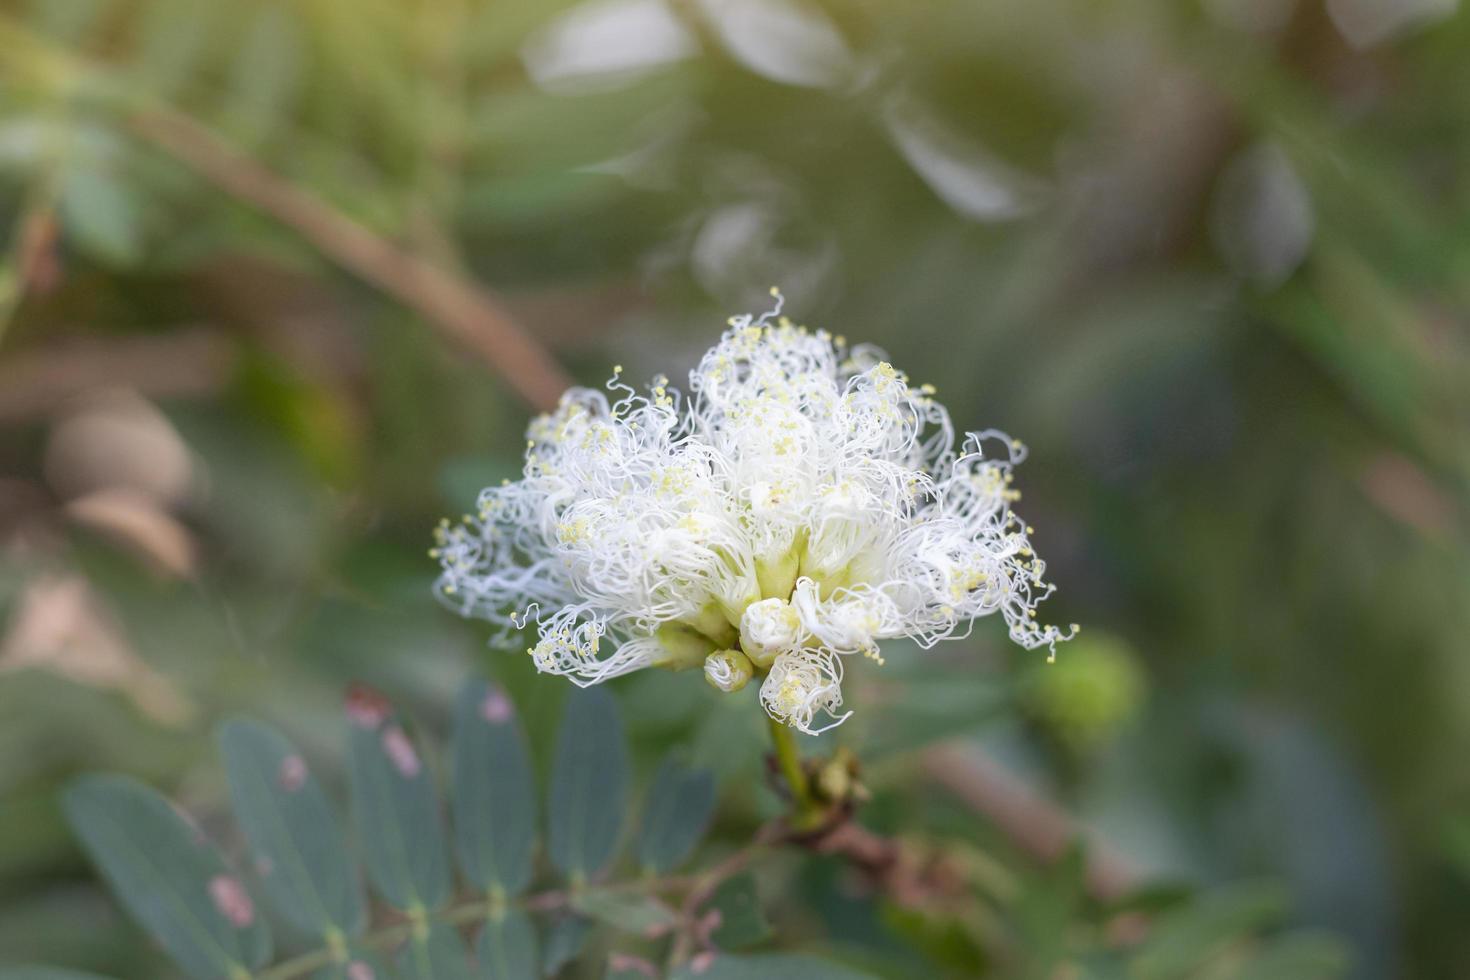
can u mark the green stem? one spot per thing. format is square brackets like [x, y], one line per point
[805, 812]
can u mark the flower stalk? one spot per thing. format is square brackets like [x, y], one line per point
[806, 813]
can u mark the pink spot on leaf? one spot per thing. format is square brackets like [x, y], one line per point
[623, 963]
[708, 923]
[367, 708]
[401, 752]
[702, 962]
[496, 708]
[232, 900]
[358, 970]
[292, 774]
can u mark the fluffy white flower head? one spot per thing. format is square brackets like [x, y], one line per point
[801, 504]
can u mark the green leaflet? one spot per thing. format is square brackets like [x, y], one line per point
[265, 74]
[589, 784]
[102, 214]
[396, 808]
[638, 914]
[361, 964]
[172, 881]
[676, 815]
[438, 954]
[494, 799]
[508, 948]
[564, 942]
[1297, 957]
[742, 921]
[1181, 941]
[294, 836]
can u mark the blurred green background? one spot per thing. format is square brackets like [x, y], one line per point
[1209, 258]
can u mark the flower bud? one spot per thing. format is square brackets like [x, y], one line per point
[728, 670]
[768, 628]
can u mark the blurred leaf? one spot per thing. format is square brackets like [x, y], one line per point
[626, 913]
[782, 40]
[1152, 898]
[168, 876]
[933, 705]
[1301, 804]
[461, 479]
[294, 836]
[494, 794]
[768, 966]
[439, 954]
[507, 948]
[265, 73]
[1296, 957]
[496, 30]
[742, 920]
[529, 201]
[536, 139]
[564, 942]
[395, 808]
[1455, 843]
[1182, 941]
[589, 784]
[1262, 218]
[1368, 22]
[45, 973]
[67, 20]
[606, 43]
[102, 214]
[1046, 909]
[622, 967]
[173, 38]
[676, 815]
[361, 964]
[959, 169]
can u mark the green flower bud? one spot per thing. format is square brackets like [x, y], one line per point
[728, 670]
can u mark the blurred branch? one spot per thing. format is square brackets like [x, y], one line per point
[1036, 825]
[460, 310]
[189, 362]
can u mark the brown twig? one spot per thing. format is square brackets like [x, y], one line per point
[690, 931]
[460, 310]
[1036, 825]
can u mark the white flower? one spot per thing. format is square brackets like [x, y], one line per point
[767, 628]
[800, 505]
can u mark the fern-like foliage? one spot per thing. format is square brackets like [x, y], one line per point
[506, 889]
[424, 920]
